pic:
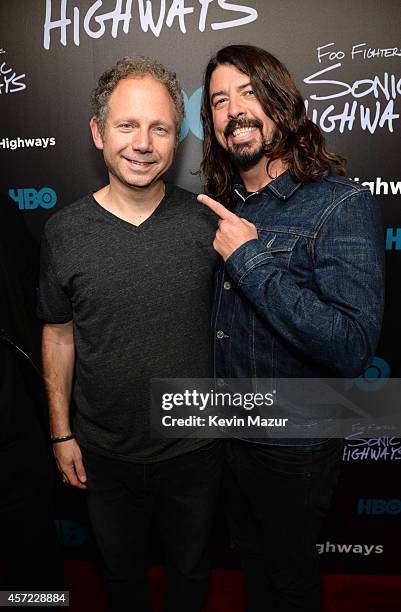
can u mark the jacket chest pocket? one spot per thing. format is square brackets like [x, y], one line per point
[279, 244]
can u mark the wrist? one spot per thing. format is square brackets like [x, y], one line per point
[60, 439]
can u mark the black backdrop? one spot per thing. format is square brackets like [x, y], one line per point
[346, 60]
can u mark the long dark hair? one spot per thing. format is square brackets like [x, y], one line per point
[298, 142]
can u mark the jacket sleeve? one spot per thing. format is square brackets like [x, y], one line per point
[338, 322]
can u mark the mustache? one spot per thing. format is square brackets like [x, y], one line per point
[234, 124]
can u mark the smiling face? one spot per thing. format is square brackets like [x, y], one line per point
[140, 133]
[240, 125]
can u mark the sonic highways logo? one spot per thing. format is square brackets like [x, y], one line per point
[192, 123]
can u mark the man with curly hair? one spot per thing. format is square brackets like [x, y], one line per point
[125, 296]
[299, 295]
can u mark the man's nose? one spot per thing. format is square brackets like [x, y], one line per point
[142, 141]
[236, 108]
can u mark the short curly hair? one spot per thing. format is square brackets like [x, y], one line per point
[132, 67]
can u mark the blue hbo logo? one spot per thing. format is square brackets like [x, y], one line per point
[393, 239]
[373, 378]
[192, 121]
[379, 507]
[29, 198]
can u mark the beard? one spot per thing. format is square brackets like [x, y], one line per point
[245, 155]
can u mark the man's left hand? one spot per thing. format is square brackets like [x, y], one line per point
[232, 232]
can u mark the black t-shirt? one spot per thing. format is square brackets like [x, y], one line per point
[140, 300]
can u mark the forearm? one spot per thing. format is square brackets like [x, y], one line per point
[58, 357]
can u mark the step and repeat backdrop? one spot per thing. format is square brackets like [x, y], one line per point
[346, 59]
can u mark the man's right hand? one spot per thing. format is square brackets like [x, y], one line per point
[69, 461]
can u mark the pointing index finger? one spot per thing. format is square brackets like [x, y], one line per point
[220, 210]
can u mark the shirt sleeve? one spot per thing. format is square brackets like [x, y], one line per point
[54, 305]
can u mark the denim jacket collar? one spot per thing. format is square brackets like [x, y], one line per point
[283, 187]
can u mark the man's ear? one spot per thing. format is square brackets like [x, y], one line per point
[96, 135]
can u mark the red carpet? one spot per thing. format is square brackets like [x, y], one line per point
[341, 593]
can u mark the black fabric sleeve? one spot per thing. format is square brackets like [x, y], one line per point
[54, 305]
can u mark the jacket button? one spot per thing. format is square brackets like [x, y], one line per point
[227, 285]
[220, 334]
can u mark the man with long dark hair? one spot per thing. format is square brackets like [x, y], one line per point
[299, 295]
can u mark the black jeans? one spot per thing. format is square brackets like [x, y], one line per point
[180, 494]
[277, 497]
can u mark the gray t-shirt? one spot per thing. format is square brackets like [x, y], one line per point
[140, 300]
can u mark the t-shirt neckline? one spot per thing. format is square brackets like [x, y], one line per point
[126, 224]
